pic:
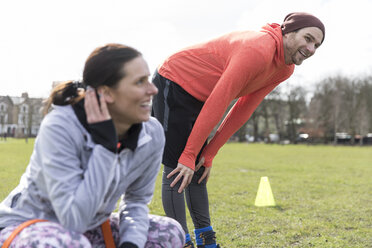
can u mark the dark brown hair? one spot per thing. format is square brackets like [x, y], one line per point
[104, 66]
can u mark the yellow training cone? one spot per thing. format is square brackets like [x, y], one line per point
[264, 196]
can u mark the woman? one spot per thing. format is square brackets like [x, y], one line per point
[90, 151]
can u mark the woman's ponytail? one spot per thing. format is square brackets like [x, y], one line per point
[65, 93]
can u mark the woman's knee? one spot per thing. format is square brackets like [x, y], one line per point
[166, 232]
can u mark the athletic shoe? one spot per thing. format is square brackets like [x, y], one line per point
[189, 245]
[208, 238]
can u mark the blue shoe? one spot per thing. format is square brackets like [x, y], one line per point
[189, 245]
[207, 240]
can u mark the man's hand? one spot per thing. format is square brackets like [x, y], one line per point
[206, 172]
[184, 172]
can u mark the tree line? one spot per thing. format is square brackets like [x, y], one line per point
[338, 111]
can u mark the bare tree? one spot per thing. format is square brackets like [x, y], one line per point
[366, 94]
[352, 107]
[277, 109]
[327, 106]
[296, 110]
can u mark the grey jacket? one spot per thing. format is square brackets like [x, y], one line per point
[77, 183]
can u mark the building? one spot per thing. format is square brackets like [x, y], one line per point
[20, 116]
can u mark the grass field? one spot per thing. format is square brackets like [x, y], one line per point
[323, 193]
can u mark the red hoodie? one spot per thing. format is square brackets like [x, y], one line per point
[246, 65]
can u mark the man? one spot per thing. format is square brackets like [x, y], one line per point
[197, 84]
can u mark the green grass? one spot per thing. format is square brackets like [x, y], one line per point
[14, 157]
[323, 193]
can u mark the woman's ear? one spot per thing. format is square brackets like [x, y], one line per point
[107, 92]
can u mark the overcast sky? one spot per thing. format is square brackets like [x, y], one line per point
[42, 41]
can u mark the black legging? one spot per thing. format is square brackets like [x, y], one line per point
[196, 198]
[177, 111]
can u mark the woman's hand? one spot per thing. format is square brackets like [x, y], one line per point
[101, 126]
[184, 172]
[96, 112]
[206, 172]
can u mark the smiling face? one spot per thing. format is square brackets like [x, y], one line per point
[301, 44]
[129, 102]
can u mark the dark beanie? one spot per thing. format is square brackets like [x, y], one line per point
[298, 20]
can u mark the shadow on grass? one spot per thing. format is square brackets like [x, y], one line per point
[279, 208]
[276, 207]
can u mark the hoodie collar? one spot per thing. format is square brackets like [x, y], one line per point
[275, 31]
